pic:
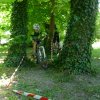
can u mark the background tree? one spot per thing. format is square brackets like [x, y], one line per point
[76, 52]
[97, 33]
[18, 33]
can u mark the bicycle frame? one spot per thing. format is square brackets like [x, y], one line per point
[41, 55]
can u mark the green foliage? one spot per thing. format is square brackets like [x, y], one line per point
[97, 34]
[18, 40]
[62, 12]
[9, 1]
[93, 90]
[5, 10]
[39, 12]
[49, 12]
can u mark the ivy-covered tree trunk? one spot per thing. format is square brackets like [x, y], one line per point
[76, 52]
[18, 33]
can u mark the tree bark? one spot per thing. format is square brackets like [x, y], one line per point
[76, 52]
[51, 29]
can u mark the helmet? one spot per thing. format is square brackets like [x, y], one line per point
[36, 27]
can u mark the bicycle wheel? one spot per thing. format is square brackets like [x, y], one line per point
[41, 57]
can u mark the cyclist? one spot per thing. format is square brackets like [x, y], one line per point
[35, 37]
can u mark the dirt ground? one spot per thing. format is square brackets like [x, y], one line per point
[54, 85]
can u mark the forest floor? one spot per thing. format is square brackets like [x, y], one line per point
[50, 83]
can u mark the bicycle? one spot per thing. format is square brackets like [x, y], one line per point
[41, 57]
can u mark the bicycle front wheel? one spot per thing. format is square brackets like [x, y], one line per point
[41, 57]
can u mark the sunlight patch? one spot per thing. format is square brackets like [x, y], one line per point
[1, 60]
[6, 82]
[96, 45]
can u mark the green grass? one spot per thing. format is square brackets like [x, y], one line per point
[96, 59]
[92, 90]
[96, 53]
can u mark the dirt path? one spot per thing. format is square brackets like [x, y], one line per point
[51, 84]
[54, 85]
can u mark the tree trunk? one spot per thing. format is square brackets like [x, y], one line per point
[18, 33]
[51, 28]
[76, 52]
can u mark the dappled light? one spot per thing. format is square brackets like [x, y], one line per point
[97, 58]
[8, 81]
[3, 56]
[1, 60]
[96, 45]
[4, 41]
[4, 81]
[4, 52]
